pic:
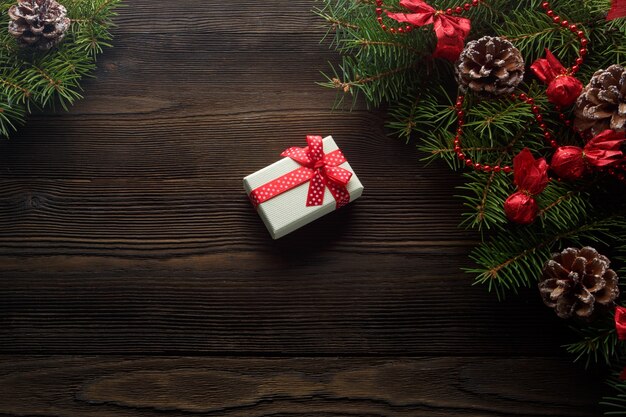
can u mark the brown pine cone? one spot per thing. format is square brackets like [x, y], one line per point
[490, 64]
[39, 24]
[578, 282]
[602, 103]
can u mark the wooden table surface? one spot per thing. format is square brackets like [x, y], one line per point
[136, 279]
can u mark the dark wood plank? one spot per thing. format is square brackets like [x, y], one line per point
[256, 387]
[268, 301]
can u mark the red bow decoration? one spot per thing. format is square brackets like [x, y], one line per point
[618, 9]
[320, 169]
[571, 162]
[620, 327]
[451, 31]
[563, 88]
[531, 178]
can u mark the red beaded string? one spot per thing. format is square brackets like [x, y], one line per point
[584, 41]
[451, 11]
[458, 147]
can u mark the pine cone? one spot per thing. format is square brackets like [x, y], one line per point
[577, 282]
[602, 103]
[490, 64]
[39, 24]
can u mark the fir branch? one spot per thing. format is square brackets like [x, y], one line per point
[39, 79]
[335, 23]
[366, 43]
[508, 263]
[598, 342]
[616, 403]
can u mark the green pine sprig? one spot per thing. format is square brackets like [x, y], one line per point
[35, 80]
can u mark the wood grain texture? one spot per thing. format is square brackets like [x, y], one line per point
[261, 387]
[124, 230]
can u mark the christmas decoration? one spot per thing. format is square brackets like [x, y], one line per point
[38, 23]
[620, 328]
[37, 68]
[531, 178]
[563, 88]
[576, 282]
[480, 113]
[490, 64]
[571, 162]
[451, 31]
[620, 322]
[618, 9]
[307, 184]
[602, 103]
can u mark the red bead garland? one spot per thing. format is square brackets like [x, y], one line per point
[584, 41]
[451, 11]
[460, 113]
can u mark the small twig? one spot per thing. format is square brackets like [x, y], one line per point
[340, 23]
[25, 91]
[367, 42]
[56, 84]
[345, 86]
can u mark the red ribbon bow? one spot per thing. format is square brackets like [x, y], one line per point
[571, 162]
[563, 88]
[451, 31]
[618, 9]
[620, 327]
[320, 169]
[531, 178]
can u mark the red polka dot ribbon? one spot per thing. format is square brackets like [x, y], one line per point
[320, 169]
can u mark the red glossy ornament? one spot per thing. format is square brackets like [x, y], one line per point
[521, 208]
[563, 88]
[568, 163]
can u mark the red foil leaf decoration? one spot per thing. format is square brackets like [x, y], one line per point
[620, 327]
[451, 31]
[548, 68]
[604, 149]
[563, 88]
[618, 9]
[531, 174]
[620, 322]
[531, 178]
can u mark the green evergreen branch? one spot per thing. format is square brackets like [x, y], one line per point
[508, 263]
[39, 79]
[598, 342]
[369, 43]
[340, 24]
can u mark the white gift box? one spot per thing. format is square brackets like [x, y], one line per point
[288, 211]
